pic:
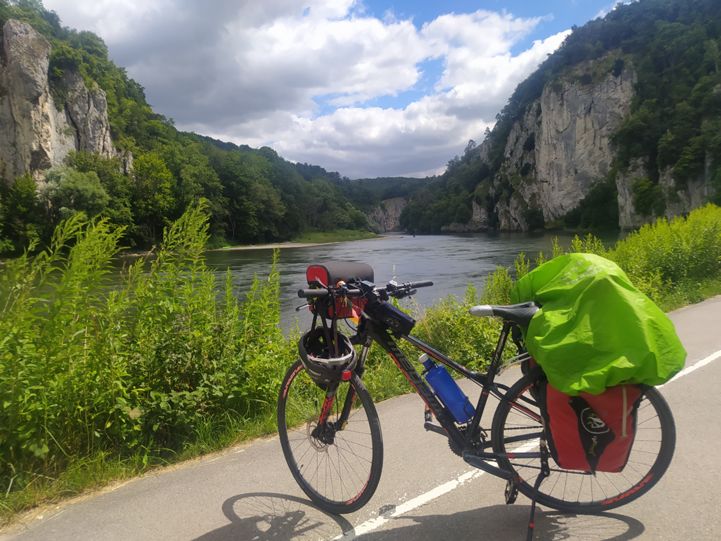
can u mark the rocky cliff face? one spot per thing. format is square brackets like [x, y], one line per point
[34, 133]
[561, 148]
[386, 216]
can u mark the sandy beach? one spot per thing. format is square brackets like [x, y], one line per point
[271, 246]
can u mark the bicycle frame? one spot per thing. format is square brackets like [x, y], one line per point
[468, 438]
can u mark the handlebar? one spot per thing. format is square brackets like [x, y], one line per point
[391, 289]
[416, 285]
[324, 292]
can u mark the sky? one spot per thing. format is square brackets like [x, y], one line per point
[364, 87]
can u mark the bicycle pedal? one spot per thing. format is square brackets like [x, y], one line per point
[511, 492]
[427, 415]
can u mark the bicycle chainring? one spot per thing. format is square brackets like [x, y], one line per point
[478, 445]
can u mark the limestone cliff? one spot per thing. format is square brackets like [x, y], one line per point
[386, 216]
[35, 132]
[561, 148]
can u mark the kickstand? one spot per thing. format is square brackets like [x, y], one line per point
[545, 472]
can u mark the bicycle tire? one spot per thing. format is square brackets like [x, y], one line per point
[649, 458]
[338, 476]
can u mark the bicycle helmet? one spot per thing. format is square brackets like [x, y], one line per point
[319, 358]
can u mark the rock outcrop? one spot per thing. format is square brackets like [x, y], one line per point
[479, 222]
[386, 217]
[35, 132]
[561, 148]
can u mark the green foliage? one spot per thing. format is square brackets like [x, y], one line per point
[68, 191]
[338, 235]
[152, 194]
[680, 250]
[446, 321]
[135, 369]
[598, 210]
[648, 198]
[21, 215]
[117, 185]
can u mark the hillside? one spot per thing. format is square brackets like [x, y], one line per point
[620, 125]
[124, 161]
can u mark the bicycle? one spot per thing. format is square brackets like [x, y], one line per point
[334, 447]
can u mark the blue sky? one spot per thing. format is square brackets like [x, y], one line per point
[363, 87]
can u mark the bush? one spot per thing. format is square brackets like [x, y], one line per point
[85, 369]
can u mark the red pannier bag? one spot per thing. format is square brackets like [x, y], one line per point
[591, 432]
[330, 274]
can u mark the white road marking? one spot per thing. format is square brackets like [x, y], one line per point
[375, 523]
[686, 371]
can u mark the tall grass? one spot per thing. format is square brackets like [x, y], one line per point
[674, 262]
[133, 372]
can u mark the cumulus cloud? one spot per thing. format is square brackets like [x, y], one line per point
[301, 77]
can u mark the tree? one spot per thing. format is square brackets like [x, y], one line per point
[21, 216]
[152, 195]
[68, 191]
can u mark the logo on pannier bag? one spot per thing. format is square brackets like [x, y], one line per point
[592, 422]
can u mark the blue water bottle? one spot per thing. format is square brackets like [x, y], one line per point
[447, 390]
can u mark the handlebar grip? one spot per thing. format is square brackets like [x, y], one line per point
[310, 293]
[321, 292]
[354, 293]
[415, 285]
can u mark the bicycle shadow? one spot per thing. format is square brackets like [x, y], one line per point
[266, 516]
[509, 522]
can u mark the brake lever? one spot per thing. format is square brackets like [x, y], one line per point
[299, 308]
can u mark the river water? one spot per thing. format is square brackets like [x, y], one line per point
[450, 261]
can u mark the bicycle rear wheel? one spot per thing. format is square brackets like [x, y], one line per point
[517, 426]
[337, 464]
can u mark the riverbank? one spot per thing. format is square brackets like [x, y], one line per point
[270, 246]
[306, 240]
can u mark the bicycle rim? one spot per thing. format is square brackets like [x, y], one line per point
[339, 469]
[573, 491]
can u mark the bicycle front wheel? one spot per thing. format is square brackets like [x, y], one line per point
[337, 463]
[518, 426]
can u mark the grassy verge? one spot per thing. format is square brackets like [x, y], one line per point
[338, 235]
[98, 386]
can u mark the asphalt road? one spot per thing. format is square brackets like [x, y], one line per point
[425, 493]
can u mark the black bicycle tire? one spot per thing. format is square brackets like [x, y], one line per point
[321, 500]
[657, 470]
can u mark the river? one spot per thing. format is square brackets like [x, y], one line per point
[450, 261]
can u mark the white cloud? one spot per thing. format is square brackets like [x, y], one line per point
[255, 73]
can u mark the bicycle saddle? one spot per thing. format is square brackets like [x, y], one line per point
[520, 314]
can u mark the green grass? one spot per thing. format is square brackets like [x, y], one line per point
[338, 235]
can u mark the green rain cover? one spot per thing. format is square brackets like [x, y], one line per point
[595, 329]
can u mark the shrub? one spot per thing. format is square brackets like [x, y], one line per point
[86, 369]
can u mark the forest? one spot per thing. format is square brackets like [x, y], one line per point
[254, 195]
[675, 121]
